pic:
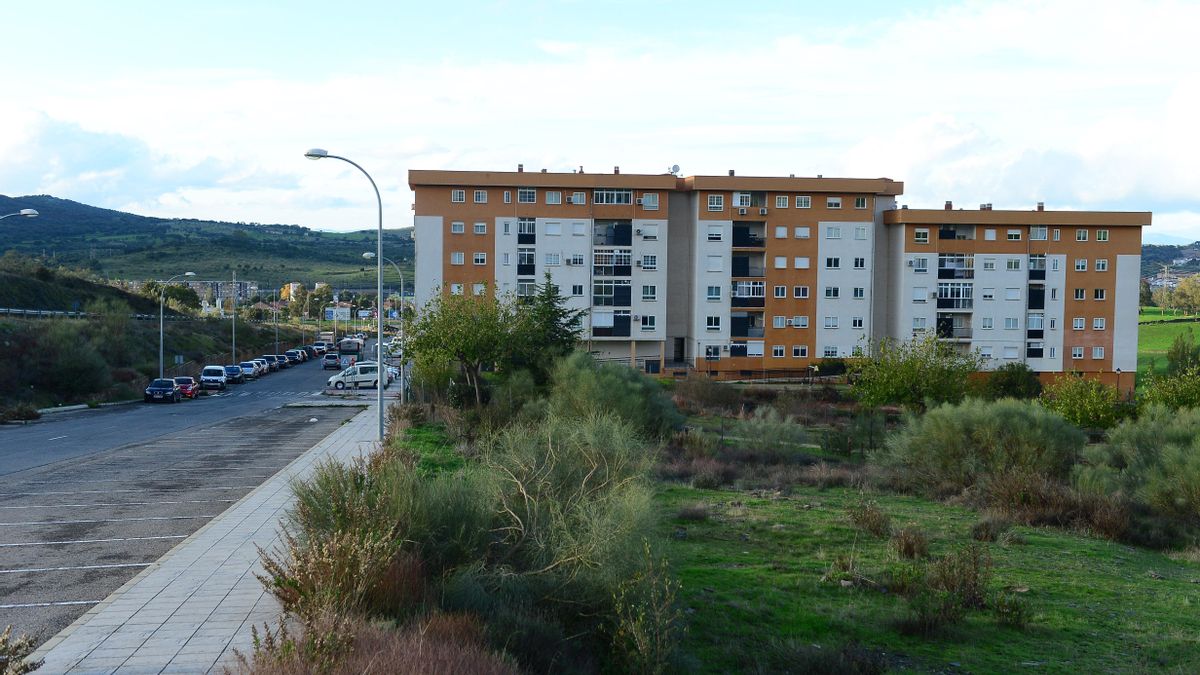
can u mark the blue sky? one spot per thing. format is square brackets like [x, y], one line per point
[203, 110]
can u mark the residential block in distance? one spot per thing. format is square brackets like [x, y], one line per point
[742, 277]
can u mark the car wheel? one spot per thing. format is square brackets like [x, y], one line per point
[339, 385]
[375, 384]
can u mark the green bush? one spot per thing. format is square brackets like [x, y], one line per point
[1012, 380]
[1178, 390]
[954, 446]
[1086, 403]
[912, 373]
[21, 412]
[581, 388]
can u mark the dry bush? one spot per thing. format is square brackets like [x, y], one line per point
[698, 393]
[910, 542]
[826, 475]
[709, 473]
[695, 442]
[1011, 610]
[867, 516]
[964, 574]
[693, 512]
[1033, 499]
[14, 652]
[990, 528]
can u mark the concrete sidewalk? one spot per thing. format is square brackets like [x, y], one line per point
[187, 612]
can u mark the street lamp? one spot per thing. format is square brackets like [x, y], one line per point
[318, 153]
[161, 296]
[368, 256]
[28, 213]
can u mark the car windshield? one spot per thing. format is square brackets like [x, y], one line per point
[232, 369]
[162, 383]
[184, 380]
[247, 364]
[213, 371]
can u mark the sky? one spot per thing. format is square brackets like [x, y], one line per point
[205, 109]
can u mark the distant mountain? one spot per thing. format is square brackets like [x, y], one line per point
[121, 245]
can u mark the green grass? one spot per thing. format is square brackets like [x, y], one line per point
[435, 450]
[751, 578]
[1154, 314]
[1155, 338]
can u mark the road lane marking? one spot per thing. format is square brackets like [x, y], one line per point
[56, 438]
[23, 605]
[76, 567]
[79, 506]
[93, 541]
[34, 523]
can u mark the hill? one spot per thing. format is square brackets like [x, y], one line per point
[119, 245]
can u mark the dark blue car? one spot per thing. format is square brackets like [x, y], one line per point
[162, 389]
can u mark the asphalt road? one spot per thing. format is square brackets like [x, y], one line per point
[79, 518]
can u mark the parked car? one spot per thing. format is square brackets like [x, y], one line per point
[234, 375]
[293, 357]
[330, 361]
[309, 351]
[188, 387]
[263, 366]
[361, 374]
[272, 362]
[213, 377]
[283, 361]
[319, 348]
[249, 369]
[162, 389]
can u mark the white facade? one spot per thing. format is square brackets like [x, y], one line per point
[427, 232]
[844, 295]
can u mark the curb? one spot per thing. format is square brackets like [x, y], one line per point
[84, 406]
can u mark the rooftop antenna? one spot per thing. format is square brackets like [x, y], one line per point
[675, 169]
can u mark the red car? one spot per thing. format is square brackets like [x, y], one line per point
[187, 387]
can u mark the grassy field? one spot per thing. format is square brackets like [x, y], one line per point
[751, 575]
[1155, 338]
[1152, 314]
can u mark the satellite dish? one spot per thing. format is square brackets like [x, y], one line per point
[674, 168]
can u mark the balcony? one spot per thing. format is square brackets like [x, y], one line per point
[746, 331]
[526, 270]
[612, 270]
[747, 301]
[1037, 298]
[612, 233]
[1034, 353]
[620, 328]
[955, 273]
[744, 266]
[965, 304]
[528, 239]
[959, 232]
[1037, 275]
[748, 236]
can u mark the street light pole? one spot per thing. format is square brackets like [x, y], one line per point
[161, 296]
[401, 315]
[28, 213]
[317, 153]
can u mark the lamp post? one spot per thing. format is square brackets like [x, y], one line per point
[368, 256]
[1119, 392]
[28, 213]
[161, 297]
[318, 153]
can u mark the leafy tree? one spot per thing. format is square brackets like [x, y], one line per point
[1163, 297]
[1086, 403]
[1180, 389]
[1145, 297]
[912, 373]
[1187, 294]
[1184, 353]
[546, 330]
[1013, 380]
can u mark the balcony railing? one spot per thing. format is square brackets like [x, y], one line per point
[954, 303]
[955, 334]
[746, 332]
[955, 273]
[749, 272]
[748, 240]
[1037, 275]
[747, 301]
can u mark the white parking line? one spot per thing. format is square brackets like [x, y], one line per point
[56, 438]
[80, 506]
[77, 567]
[92, 541]
[50, 604]
[103, 520]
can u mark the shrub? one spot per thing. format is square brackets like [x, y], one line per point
[693, 512]
[953, 447]
[646, 617]
[1178, 390]
[14, 652]
[912, 373]
[1011, 610]
[825, 475]
[1086, 403]
[1012, 380]
[790, 656]
[990, 528]
[1173, 484]
[21, 412]
[910, 542]
[867, 516]
[770, 434]
[699, 393]
[929, 611]
[581, 388]
[964, 575]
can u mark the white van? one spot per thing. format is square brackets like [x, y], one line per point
[213, 377]
[361, 374]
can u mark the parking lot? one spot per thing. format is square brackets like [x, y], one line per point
[73, 531]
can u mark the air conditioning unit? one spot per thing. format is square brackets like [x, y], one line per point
[638, 232]
[724, 348]
[762, 211]
[789, 322]
[570, 199]
[637, 263]
[638, 201]
[741, 212]
[910, 263]
[636, 317]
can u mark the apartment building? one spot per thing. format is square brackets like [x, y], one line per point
[741, 276]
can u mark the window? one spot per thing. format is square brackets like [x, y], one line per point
[860, 202]
[506, 258]
[1054, 264]
[712, 322]
[650, 293]
[831, 322]
[799, 291]
[860, 263]
[921, 265]
[526, 196]
[985, 352]
[577, 198]
[716, 202]
[800, 262]
[458, 196]
[1037, 262]
[989, 264]
[986, 323]
[1077, 352]
[989, 234]
[1057, 234]
[754, 348]
[576, 259]
[778, 322]
[1099, 294]
[1080, 294]
[577, 290]
[714, 232]
[833, 202]
[921, 236]
[1011, 323]
[457, 258]
[920, 294]
[481, 196]
[1037, 233]
[526, 226]
[648, 321]
[833, 232]
[1077, 323]
[480, 259]
[797, 351]
[508, 196]
[553, 228]
[856, 322]
[833, 263]
[803, 202]
[712, 352]
[456, 289]
[553, 259]
[612, 196]
[860, 292]
[829, 352]
[1010, 352]
[777, 351]
[833, 292]
[650, 232]
[1101, 264]
[781, 262]
[1012, 294]
[1051, 352]
[780, 291]
[1098, 323]
[507, 227]
[478, 289]
[526, 256]
[741, 199]
[860, 232]
[1101, 235]
[650, 201]
[781, 231]
[1081, 264]
[457, 227]
[1014, 235]
[714, 292]
[988, 294]
[526, 288]
[650, 262]
[1081, 235]
[715, 263]
[781, 201]
[1014, 264]
[919, 323]
[1053, 323]
[800, 232]
[1097, 352]
[800, 321]
[553, 197]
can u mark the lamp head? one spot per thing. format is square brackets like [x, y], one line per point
[368, 255]
[29, 213]
[189, 274]
[316, 153]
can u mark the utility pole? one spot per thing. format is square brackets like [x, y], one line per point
[234, 305]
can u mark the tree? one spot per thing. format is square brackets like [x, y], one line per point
[1187, 294]
[1086, 403]
[1163, 297]
[1145, 297]
[912, 373]
[546, 330]
[1013, 380]
[1184, 353]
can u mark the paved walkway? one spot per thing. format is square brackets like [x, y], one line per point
[187, 612]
